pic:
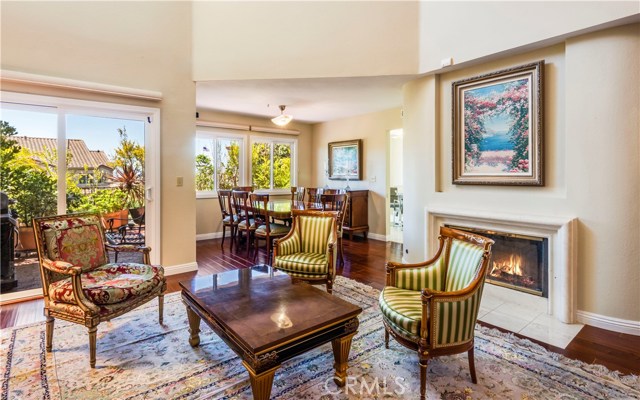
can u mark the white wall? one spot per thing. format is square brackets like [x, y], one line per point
[308, 39]
[395, 161]
[592, 143]
[143, 45]
[471, 30]
[373, 129]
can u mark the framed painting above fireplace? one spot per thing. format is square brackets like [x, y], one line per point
[498, 127]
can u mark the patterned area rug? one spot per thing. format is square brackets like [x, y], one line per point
[140, 359]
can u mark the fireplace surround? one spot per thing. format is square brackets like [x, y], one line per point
[561, 254]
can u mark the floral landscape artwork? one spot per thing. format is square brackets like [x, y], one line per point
[497, 128]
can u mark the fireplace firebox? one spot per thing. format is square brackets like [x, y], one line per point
[517, 262]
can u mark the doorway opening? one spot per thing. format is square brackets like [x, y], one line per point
[396, 193]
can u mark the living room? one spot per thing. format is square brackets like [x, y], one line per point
[591, 138]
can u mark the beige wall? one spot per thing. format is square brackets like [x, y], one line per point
[208, 217]
[373, 129]
[307, 39]
[143, 45]
[445, 26]
[592, 142]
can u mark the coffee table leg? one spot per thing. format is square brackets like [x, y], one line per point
[194, 327]
[341, 348]
[261, 383]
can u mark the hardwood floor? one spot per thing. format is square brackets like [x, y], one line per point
[364, 261]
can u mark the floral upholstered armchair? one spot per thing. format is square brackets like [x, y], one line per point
[432, 307]
[308, 252]
[79, 283]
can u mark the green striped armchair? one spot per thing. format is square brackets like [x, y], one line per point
[432, 307]
[308, 253]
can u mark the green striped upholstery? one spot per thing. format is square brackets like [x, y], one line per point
[306, 276]
[403, 308]
[464, 262]
[290, 245]
[310, 263]
[431, 276]
[456, 320]
[243, 224]
[314, 232]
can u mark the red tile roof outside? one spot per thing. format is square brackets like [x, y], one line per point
[80, 153]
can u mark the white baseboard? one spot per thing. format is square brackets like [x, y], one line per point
[206, 236]
[377, 236]
[180, 268]
[609, 323]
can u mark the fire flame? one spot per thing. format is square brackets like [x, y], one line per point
[511, 266]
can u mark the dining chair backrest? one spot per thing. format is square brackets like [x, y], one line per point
[313, 194]
[334, 191]
[297, 193]
[224, 198]
[335, 202]
[241, 205]
[244, 188]
[260, 209]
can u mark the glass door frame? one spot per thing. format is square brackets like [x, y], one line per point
[65, 106]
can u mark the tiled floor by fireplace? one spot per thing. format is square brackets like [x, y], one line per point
[526, 315]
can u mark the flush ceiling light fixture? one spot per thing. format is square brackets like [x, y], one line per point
[282, 119]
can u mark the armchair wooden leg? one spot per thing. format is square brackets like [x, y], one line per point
[329, 285]
[92, 345]
[50, 322]
[341, 250]
[423, 379]
[472, 366]
[386, 338]
[160, 307]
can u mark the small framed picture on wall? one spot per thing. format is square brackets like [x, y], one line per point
[345, 160]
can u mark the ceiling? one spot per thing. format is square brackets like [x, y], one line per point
[307, 100]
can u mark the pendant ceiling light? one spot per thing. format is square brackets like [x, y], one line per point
[282, 119]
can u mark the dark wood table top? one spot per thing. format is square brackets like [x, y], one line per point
[262, 309]
[281, 208]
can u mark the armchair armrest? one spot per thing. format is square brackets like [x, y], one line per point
[61, 267]
[128, 248]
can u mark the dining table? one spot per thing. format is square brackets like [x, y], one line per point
[282, 208]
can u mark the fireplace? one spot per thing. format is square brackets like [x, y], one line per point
[517, 262]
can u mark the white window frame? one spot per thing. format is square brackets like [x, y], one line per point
[64, 106]
[215, 135]
[272, 140]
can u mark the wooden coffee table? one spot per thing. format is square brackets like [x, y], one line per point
[266, 320]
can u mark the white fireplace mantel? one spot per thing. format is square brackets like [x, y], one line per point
[560, 232]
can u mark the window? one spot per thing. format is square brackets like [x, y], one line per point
[272, 163]
[218, 162]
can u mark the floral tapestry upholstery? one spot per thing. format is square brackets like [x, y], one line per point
[77, 240]
[111, 283]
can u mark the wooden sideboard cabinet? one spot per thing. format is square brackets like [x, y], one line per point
[356, 218]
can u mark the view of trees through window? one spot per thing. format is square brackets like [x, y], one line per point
[271, 159]
[218, 161]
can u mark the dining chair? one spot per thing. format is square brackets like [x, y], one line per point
[334, 191]
[297, 193]
[242, 208]
[313, 194]
[336, 202]
[264, 229]
[229, 219]
[432, 307]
